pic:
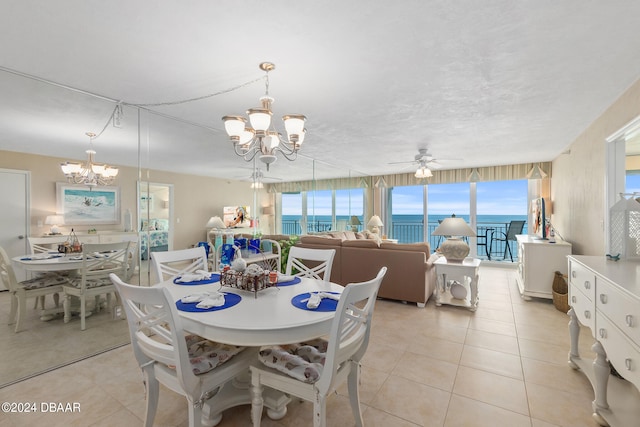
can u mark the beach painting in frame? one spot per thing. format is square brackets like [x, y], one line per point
[82, 205]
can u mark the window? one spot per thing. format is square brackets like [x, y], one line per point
[499, 203]
[291, 213]
[407, 214]
[444, 201]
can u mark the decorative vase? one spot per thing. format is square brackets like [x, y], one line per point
[454, 249]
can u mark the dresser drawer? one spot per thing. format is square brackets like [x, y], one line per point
[622, 353]
[583, 307]
[583, 278]
[620, 308]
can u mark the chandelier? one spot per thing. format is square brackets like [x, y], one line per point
[90, 174]
[261, 139]
[423, 171]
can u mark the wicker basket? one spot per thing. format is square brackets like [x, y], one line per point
[560, 292]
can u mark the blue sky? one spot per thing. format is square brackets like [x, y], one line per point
[494, 198]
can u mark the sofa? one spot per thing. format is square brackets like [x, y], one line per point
[410, 272]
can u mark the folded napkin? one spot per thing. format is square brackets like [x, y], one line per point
[316, 298]
[194, 277]
[205, 299]
[285, 278]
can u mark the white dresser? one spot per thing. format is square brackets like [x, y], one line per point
[605, 296]
[538, 260]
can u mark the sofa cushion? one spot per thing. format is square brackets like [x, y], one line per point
[349, 235]
[320, 240]
[414, 247]
[338, 235]
[360, 235]
[362, 243]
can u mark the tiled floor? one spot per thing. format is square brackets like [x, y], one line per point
[504, 365]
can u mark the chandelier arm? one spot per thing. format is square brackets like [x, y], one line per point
[291, 156]
[246, 155]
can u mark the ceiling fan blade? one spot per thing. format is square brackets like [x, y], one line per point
[402, 163]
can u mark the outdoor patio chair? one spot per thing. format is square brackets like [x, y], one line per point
[514, 228]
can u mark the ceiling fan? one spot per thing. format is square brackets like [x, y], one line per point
[425, 162]
[258, 178]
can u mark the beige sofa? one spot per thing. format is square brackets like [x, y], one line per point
[410, 274]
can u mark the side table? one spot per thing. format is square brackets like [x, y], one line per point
[464, 273]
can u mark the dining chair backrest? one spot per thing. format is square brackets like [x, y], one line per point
[171, 264]
[351, 328]
[101, 259]
[7, 273]
[515, 228]
[312, 263]
[156, 331]
[45, 244]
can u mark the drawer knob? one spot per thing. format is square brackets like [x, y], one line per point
[573, 274]
[587, 314]
[629, 320]
[603, 298]
[587, 284]
[603, 333]
[627, 364]
[573, 299]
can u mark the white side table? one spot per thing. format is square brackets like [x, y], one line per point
[454, 273]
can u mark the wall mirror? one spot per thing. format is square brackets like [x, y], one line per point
[623, 167]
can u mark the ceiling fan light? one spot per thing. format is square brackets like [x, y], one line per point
[234, 125]
[423, 172]
[260, 118]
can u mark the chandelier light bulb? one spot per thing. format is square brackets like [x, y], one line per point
[90, 174]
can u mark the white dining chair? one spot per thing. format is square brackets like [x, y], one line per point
[186, 364]
[19, 291]
[312, 263]
[43, 245]
[313, 370]
[98, 261]
[171, 264]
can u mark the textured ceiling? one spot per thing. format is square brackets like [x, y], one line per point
[476, 82]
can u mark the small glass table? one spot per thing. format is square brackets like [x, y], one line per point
[455, 274]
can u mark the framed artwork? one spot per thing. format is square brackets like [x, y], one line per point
[83, 205]
[236, 216]
[146, 202]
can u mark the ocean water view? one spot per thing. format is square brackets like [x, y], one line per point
[410, 229]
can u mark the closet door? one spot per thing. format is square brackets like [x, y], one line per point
[14, 215]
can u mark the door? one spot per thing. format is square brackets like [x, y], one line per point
[14, 215]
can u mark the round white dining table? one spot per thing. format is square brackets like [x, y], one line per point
[48, 262]
[267, 318]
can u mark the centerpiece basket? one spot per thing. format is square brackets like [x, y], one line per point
[247, 281]
[71, 245]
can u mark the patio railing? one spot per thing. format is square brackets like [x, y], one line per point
[412, 232]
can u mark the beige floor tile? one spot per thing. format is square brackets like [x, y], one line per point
[558, 407]
[494, 326]
[376, 418]
[371, 380]
[497, 390]
[493, 314]
[381, 355]
[465, 412]
[560, 377]
[492, 341]
[492, 361]
[436, 348]
[425, 370]
[412, 401]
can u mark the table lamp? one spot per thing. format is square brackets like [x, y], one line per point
[454, 248]
[374, 223]
[354, 222]
[216, 225]
[54, 221]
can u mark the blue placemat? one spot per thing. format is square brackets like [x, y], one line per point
[290, 282]
[326, 304]
[41, 257]
[215, 277]
[229, 301]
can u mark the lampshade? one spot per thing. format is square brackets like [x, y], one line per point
[215, 222]
[354, 220]
[374, 223]
[54, 221]
[454, 248]
[454, 227]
